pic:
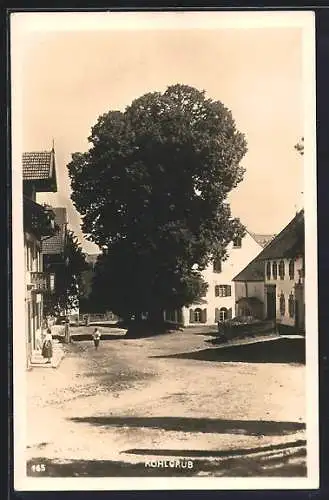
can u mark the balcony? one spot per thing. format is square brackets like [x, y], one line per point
[41, 282]
[38, 219]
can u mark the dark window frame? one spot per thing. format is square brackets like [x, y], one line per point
[282, 304]
[291, 305]
[217, 265]
[237, 242]
[292, 269]
[282, 269]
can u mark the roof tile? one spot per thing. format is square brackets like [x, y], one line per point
[37, 165]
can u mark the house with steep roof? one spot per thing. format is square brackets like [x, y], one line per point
[276, 279]
[249, 289]
[39, 175]
[219, 302]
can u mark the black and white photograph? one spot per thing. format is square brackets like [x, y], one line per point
[164, 250]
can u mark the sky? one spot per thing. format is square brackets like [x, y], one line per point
[70, 78]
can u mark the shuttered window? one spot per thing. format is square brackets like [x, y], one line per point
[198, 315]
[223, 291]
[291, 306]
[282, 305]
[292, 269]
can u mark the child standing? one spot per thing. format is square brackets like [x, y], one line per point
[47, 346]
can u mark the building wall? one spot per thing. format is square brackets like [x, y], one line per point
[33, 301]
[285, 287]
[250, 289]
[238, 259]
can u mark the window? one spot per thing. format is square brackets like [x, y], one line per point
[282, 305]
[268, 270]
[281, 270]
[217, 266]
[28, 257]
[223, 291]
[292, 269]
[275, 270]
[198, 315]
[223, 314]
[291, 306]
[237, 242]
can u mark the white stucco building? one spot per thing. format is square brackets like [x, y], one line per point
[219, 302]
[272, 285]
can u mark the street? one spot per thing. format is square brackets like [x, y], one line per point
[145, 406]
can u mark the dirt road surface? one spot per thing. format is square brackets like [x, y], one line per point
[141, 407]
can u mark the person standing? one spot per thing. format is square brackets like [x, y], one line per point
[47, 346]
[96, 338]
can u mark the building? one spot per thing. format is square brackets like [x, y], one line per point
[272, 285]
[39, 175]
[219, 302]
[249, 285]
[53, 256]
[284, 276]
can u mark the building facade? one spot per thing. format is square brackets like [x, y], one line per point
[39, 175]
[272, 285]
[219, 302]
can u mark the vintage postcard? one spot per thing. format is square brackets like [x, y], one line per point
[164, 250]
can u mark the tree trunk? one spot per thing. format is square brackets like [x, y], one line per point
[156, 317]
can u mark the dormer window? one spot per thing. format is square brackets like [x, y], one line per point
[237, 242]
[275, 270]
[268, 270]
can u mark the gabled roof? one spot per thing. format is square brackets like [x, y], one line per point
[263, 239]
[55, 245]
[289, 242]
[39, 168]
[254, 271]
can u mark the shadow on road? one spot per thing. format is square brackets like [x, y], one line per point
[205, 425]
[282, 350]
[292, 465]
[217, 453]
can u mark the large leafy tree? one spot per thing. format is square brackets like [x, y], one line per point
[68, 271]
[153, 188]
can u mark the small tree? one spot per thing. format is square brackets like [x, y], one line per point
[68, 282]
[153, 188]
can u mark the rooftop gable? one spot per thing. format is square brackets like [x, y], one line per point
[39, 168]
[289, 242]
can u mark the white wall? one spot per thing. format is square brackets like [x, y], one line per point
[238, 259]
[33, 263]
[285, 286]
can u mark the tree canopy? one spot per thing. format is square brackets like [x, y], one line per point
[153, 188]
[68, 282]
